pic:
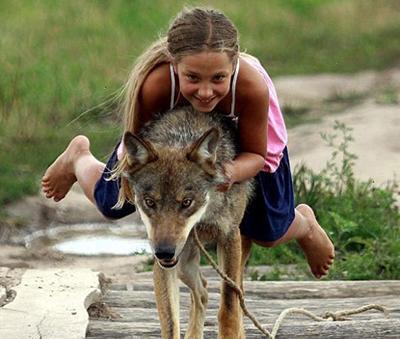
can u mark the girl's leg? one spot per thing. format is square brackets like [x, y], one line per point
[76, 163]
[311, 237]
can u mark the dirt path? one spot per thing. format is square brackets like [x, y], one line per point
[367, 102]
[376, 133]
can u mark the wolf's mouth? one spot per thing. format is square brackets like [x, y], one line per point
[168, 263]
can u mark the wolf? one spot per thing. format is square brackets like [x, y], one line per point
[175, 165]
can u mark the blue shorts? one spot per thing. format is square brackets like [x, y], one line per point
[268, 215]
[271, 210]
[106, 192]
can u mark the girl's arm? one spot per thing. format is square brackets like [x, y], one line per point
[253, 118]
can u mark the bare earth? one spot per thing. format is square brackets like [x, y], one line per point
[375, 121]
[376, 130]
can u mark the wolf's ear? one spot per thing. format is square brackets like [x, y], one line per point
[204, 151]
[139, 152]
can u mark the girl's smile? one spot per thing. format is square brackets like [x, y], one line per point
[204, 78]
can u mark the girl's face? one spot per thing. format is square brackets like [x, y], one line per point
[204, 78]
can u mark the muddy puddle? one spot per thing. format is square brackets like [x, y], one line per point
[103, 245]
[90, 239]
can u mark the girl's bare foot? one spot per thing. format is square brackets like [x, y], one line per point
[60, 176]
[316, 244]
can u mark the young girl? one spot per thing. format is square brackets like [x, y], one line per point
[199, 64]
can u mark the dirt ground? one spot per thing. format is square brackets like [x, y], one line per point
[374, 118]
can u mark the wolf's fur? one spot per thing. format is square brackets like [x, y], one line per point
[175, 166]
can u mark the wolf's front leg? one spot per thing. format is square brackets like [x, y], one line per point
[167, 298]
[230, 314]
[190, 275]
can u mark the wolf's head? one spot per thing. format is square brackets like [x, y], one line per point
[171, 186]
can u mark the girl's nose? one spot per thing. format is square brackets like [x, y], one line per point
[205, 91]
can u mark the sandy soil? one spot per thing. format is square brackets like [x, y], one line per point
[376, 133]
[376, 129]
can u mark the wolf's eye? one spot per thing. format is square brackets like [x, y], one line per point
[150, 203]
[186, 202]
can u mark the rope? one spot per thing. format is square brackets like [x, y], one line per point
[328, 316]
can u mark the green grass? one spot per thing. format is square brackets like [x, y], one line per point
[60, 59]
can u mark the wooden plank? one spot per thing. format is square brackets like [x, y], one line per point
[135, 303]
[266, 312]
[384, 328]
[322, 289]
[294, 289]
[210, 274]
[146, 299]
[271, 310]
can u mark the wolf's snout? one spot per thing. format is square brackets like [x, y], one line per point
[165, 253]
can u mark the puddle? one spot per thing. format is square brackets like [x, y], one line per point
[101, 245]
[91, 239]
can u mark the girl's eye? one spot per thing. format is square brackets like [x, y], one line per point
[150, 203]
[186, 203]
[219, 77]
[192, 77]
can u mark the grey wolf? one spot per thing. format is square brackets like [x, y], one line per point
[174, 167]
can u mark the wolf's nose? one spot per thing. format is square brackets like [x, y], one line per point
[165, 253]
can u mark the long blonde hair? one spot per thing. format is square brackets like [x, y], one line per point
[192, 31]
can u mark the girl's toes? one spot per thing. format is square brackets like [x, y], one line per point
[49, 193]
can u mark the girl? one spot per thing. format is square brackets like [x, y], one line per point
[199, 63]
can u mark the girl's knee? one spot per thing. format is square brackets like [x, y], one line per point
[269, 244]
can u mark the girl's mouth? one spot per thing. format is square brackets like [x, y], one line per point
[205, 101]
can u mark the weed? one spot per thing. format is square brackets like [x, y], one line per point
[295, 115]
[274, 274]
[389, 96]
[349, 98]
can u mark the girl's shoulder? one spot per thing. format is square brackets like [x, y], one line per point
[154, 95]
[251, 84]
[157, 83]
[250, 76]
